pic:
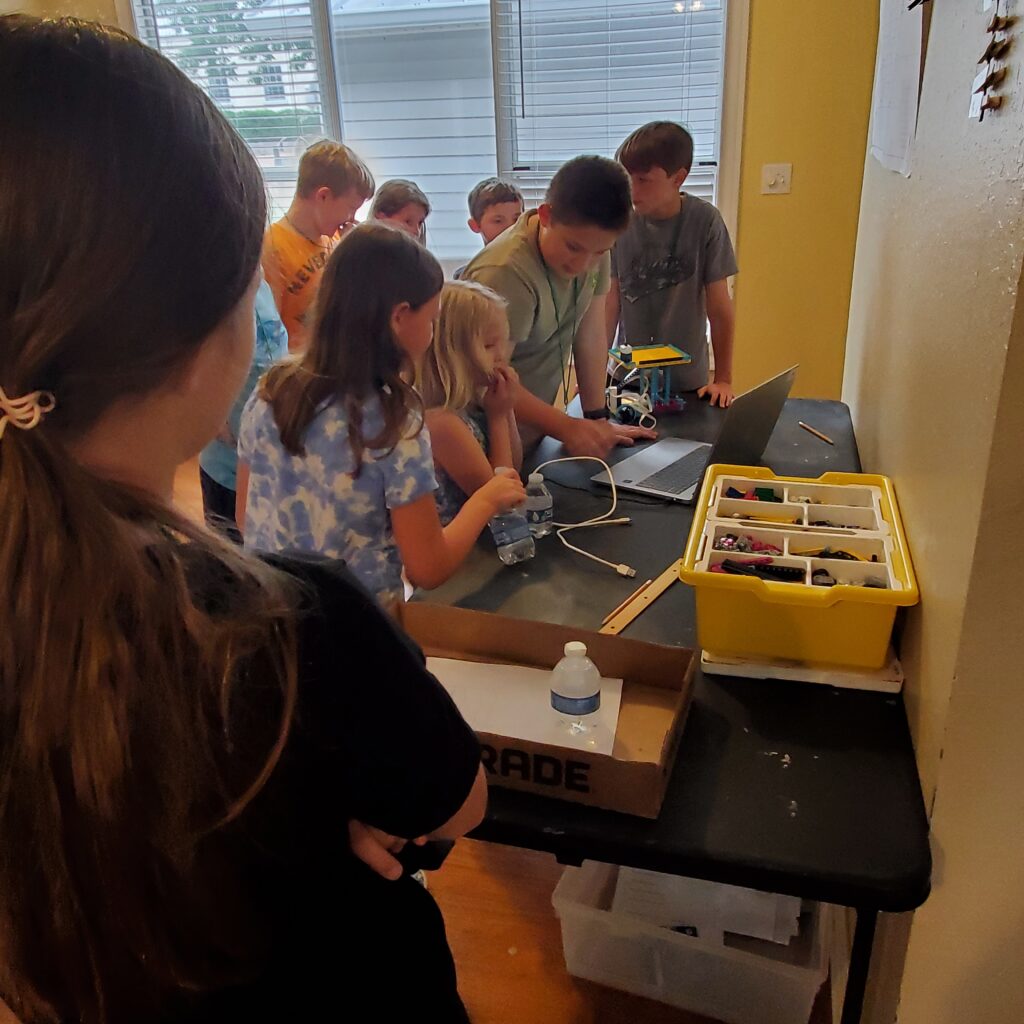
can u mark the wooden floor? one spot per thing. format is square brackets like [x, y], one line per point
[503, 929]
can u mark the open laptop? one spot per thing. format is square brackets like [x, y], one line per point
[673, 467]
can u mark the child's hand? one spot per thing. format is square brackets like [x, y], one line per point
[503, 491]
[377, 849]
[718, 393]
[499, 398]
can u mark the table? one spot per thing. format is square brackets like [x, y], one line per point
[784, 787]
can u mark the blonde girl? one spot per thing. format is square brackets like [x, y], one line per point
[469, 391]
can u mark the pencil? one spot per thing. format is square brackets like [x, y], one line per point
[817, 433]
[636, 593]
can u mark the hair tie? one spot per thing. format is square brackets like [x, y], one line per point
[25, 412]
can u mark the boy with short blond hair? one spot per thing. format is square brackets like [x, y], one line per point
[670, 268]
[333, 183]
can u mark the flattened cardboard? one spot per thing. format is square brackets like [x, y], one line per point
[656, 691]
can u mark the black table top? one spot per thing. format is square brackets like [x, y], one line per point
[785, 787]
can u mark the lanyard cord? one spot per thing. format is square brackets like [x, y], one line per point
[562, 355]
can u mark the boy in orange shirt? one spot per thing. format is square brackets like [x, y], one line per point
[333, 183]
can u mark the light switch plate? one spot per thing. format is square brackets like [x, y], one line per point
[776, 179]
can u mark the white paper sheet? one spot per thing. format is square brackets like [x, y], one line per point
[897, 84]
[709, 908]
[513, 701]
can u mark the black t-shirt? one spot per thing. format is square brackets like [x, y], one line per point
[375, 738]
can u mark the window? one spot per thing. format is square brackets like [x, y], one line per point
[416, 92]
[273, 82]
[260, 61]
[219, 88]
[447, 92]
[577, 76]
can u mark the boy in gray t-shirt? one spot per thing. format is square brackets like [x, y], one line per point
[670, 267]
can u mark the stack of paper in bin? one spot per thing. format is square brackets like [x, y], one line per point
[705, 909]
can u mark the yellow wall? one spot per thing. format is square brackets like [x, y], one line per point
[95, 10]
[808, 98]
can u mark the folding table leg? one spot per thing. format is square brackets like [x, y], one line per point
[860, 961]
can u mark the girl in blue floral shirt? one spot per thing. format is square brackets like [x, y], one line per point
[333, 454]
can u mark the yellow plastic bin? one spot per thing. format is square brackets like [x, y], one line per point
[844, 625]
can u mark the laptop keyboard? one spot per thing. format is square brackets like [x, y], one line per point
[680, 475]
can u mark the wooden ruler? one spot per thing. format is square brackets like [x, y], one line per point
[639, 601]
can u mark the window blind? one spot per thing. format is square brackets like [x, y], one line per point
[577, 76]
[416, 90]
[260, 61]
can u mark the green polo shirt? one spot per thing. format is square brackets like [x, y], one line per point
[544, 309]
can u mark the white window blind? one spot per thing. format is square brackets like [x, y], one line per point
[577, 76]
[447, 92]
[416, 90]
[261, 61]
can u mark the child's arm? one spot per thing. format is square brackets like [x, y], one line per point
[515, 440]
[458, 453]
[430, 553]
[590, 352]
[241, 493]
[723, 325]
[611, 310]
[511, 423]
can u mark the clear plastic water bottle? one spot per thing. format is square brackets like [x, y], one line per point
[539, 506]
[512, 535]
[576, 689]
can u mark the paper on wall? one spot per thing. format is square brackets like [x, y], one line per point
[514, 701]
[897, 85]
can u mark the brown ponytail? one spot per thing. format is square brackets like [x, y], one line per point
[132, 643]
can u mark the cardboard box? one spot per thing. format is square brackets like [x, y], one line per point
[656, 690]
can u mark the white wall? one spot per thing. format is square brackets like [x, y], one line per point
[935, 378]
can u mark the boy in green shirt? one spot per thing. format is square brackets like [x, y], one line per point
[552, 268]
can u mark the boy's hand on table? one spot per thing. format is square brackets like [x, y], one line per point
[376, 849]
[718, 393]
[597, 438]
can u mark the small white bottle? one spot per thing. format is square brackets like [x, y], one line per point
[576, 689]
[539, 505]
[512, 535]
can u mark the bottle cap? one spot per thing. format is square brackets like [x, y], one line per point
[536, 478]
[574, 648]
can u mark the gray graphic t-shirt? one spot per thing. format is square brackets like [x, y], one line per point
[663, 267]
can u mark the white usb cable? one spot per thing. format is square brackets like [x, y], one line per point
[561, 529]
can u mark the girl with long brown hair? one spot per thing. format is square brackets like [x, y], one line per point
[332, 451]
[185, 732]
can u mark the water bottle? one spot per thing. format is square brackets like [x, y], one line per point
[512, 535]
[575, 689]
[539, 506]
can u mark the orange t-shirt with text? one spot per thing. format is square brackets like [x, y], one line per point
[292, 265]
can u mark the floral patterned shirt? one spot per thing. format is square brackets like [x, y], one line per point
[314, 503]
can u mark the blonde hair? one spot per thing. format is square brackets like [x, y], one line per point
[451, 374]
[332, 165]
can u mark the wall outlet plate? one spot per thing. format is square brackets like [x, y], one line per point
[776, 179]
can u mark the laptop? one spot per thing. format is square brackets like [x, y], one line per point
[673, 467]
